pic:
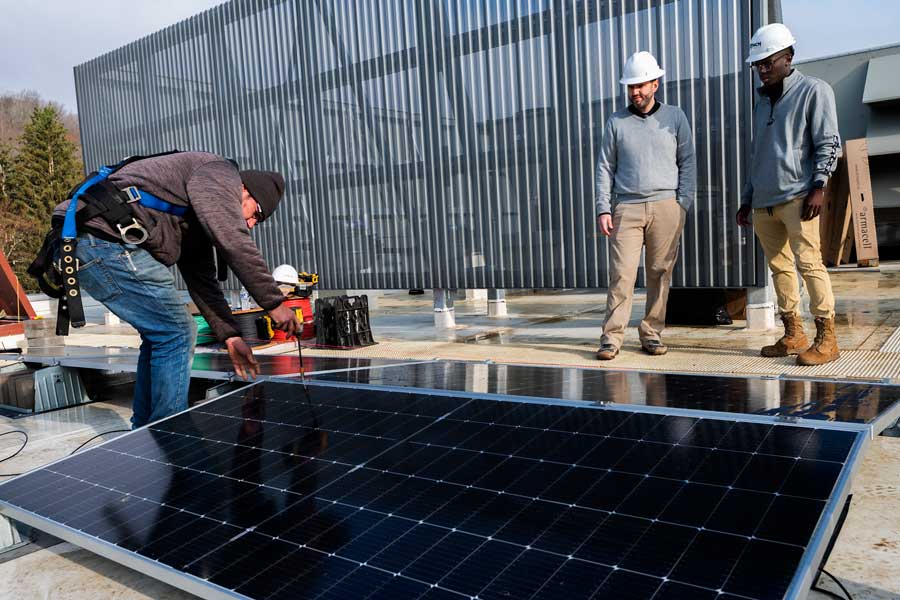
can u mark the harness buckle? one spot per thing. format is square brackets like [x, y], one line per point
[69, 269]
[133, 194]
[139, 238]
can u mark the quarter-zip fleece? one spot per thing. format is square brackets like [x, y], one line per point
[796, 143]
[646, 158]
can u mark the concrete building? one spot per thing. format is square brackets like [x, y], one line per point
[867, 92]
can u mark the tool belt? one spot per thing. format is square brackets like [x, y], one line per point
[58, 278]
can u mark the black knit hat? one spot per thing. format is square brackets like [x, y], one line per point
[266, 187]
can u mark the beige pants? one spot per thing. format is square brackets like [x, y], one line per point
[658, 226]
[792, 245]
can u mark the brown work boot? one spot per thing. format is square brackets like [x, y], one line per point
[824, 348]
[607, 352]
[792, 342]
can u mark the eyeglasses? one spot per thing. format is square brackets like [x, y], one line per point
[767, 65]
[258, 215]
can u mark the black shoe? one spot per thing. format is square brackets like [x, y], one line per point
[722, 317]
[607, 352]
[654, 347]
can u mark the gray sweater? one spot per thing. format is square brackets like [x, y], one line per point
[646, 159]
[796, 143]
[211, 186]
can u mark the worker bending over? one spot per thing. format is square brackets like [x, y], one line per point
[137, 219]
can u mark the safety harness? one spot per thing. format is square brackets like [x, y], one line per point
[59, 279]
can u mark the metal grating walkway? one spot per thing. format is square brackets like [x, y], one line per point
[892, 344]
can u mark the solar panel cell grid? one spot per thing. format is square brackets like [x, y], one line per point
[363, 494]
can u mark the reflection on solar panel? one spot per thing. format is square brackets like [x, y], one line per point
[848, 402]
[352, 493]
[210, 365]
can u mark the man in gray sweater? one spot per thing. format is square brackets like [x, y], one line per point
[645, 183]
[135, 283]
[796, 145]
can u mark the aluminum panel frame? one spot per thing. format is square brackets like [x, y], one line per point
[806, 574]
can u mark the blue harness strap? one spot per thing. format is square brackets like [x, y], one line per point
[69, 230]
[70, 309]
[148, 200]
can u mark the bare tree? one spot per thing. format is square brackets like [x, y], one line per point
[16, 110]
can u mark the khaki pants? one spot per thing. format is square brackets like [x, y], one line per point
[792, 245]
[658, 226]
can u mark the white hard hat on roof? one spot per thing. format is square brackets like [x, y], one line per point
[768, 40]
[286, 274]
[640, 67]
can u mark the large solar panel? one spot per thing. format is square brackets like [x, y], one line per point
[875, 404]
[271, 492]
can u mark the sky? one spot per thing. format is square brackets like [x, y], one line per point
[42, 40]
[828, 27]
[47, 38]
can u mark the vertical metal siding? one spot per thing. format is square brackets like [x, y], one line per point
[438, 143]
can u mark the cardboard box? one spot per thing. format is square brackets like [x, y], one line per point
[861, 208]
[847, 221]
[834, 221]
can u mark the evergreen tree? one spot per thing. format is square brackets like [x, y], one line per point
[6, 163]
[46, 167]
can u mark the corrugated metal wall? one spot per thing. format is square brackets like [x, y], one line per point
[433, 143]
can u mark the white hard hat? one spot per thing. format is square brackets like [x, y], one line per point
[286, 274]
[640, 67]
[768, 40]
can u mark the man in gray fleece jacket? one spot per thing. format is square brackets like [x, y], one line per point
[647, 166]
[135, 283]
[796, 146]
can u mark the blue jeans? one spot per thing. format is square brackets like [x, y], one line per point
[141, 291]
